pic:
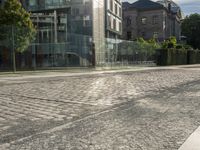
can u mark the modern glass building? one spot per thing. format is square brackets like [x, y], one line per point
[69, 30]
[73, 32]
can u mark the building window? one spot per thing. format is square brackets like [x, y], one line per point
[111, 5]
[129, 35]
[120, 26]
[32, 3]
[109, 21]
[143, 34]
[155, 19]
[155, 35]
[86, 21]
[49, 2]
[75, 11]
[144, 20]
[114, 24]
[128, 21]
[116, 9]
[120, 12]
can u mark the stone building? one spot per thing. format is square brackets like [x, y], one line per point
[113, 18]
[149, 19]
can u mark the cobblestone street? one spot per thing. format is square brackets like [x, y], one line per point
[134, 110]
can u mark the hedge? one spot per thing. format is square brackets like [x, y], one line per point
[171, 57]
[193, 57]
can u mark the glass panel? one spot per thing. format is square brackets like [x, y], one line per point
[76, 50]
[32, 3]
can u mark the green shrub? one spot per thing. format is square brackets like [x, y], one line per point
[170, 43]
[171, 56]
[187, 47]
[180, 46]
[193, 56]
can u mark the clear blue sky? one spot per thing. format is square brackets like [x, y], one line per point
[187, 6]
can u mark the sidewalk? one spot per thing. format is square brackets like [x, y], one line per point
[67, 72]
[193, 142]
[83, 71]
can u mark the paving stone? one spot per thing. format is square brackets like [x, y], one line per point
[155, 105]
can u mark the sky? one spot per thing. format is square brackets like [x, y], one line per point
[187, 6]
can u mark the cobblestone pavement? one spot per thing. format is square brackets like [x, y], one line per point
[155, 109]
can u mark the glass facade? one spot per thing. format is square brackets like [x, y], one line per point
[69, 35]
[79, 24]
[78, 51]
[39, 5]
[63, 27]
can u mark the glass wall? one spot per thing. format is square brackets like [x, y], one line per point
[75, 52]
[78, 51]
[123, 53]
[69, 37]
[38, 5]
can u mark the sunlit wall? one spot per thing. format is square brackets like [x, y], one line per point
[99, 29]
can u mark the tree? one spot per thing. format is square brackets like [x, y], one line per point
[191, 29]
[16, 28]
[148, 46]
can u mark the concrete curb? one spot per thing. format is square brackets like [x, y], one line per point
[67, 73]
[193, 142]
[86, 71]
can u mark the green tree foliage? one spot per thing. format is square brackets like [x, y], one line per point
[149, 46]
[16, 27]
[170, 43]
[140, 46]
[191, 29]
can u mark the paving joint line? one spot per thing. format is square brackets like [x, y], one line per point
[53, 100]
[86, 73]
[67, 125]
